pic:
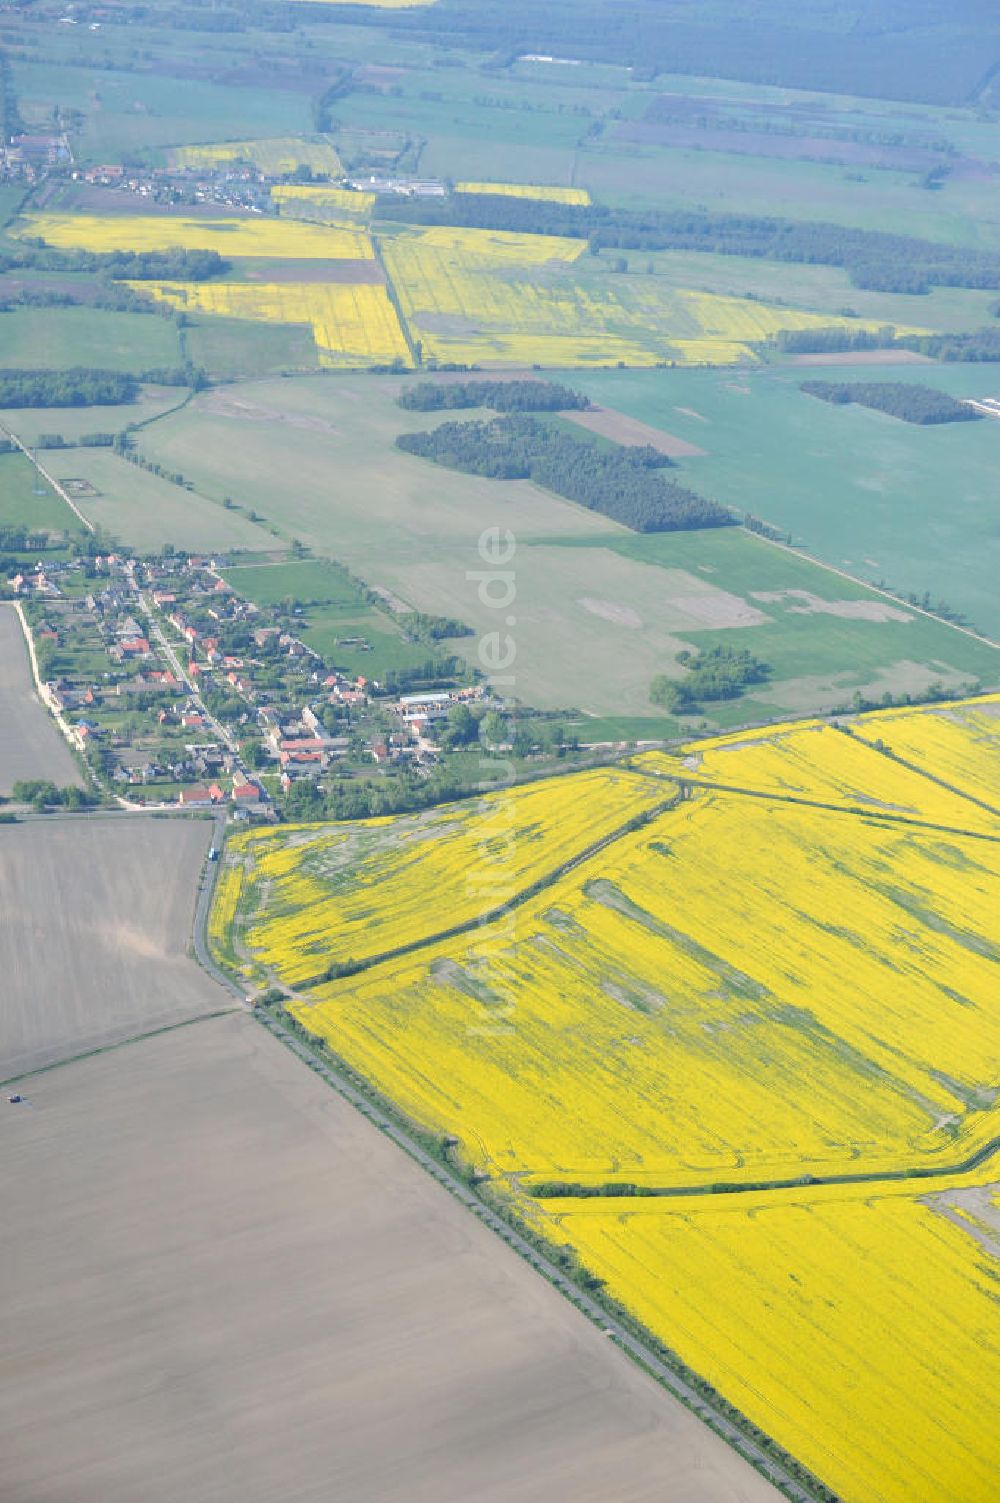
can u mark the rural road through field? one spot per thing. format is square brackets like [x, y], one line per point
[752, 1452]
[755, 1454]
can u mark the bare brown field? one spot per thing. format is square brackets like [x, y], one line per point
[297, 270]
[30, 743]
[95, 920]
[626, 430]
[224, 1284]
[864, 357]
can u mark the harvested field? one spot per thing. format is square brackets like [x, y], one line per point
[625, 430]
[95, 919]
[30, 743]
[276, 1302]
[864, 357]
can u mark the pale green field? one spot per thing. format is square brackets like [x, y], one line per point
[145, 511]
[863, 491]
[596, 612]
[73, 422]
[58, 338]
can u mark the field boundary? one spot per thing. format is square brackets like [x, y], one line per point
[355, 967]
[134, 1038]
[570, 1190]
[60, 492]
[755, 1447]
[899, 600]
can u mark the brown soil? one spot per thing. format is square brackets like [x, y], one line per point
[626, 430]
[864, 357]
[368, 272]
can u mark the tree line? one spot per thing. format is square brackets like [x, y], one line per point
[78, 387]
[502, 396]
[712, 674]
[975, 345]
[907, 400]
[625, 484]
[874, 259]
[173, 265]
[893, 53]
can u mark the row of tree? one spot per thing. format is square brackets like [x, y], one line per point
[78, 387]
[976, 345]
[874, 258]
[900, 399]
[626, 484]
[43, 795]
[502, 396]
[173, 265]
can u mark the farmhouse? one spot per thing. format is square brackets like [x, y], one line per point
[198, 798]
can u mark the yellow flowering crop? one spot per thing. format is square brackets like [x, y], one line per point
[742, 989]
[528, 190]
[343, 892]
[274, 238]
[308, 200]
[861, 1333]
[493, 298]
[812, 760]
[959, 743]
[275, 156]
[353, 324]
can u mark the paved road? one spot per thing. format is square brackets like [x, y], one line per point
[202, 907]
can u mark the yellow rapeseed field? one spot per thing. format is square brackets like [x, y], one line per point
[276, 156]
[310, 200]
[276, 239]
[493, 298]
[859, 1330]
[353, 324]
[344, 892]
[813, 760]
[742, 989]
[528, 190]
[959, 743]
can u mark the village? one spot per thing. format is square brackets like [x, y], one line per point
[177, 692]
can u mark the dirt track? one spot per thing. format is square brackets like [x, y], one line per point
[224, 1284]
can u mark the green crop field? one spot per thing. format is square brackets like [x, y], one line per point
[57, 338]
[123, 112]
[230, 349]
[144, 511]
[20, 506]
[599, 611]
[332, 612]
[883, 499]
[820, 289]
[72, 422]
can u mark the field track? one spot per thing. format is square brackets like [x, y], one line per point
[95, 921]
